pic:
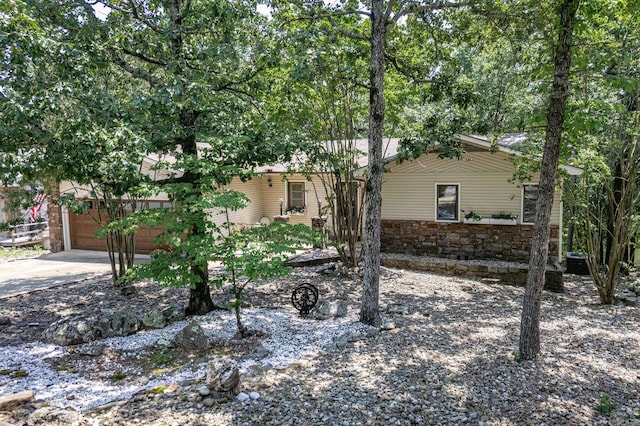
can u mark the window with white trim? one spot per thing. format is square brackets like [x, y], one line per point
[296, 197]
[447, 202]
[529, 200]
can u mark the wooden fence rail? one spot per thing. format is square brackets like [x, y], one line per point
[25, 234]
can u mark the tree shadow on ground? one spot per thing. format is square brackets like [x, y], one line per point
[453, 360]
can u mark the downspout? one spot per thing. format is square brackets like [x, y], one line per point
[66, 231]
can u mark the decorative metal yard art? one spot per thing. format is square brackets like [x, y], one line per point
[304, 298]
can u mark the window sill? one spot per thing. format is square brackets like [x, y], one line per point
[491, 221]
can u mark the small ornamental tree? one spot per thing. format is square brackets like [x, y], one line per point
[110, 214]
[611, 193]
[335, 164]
[254, 253]
[117, 187]
[246, 255]
[329, 105]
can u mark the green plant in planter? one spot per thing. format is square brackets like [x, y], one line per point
[299, 210]
[503, 215]
[471, 215]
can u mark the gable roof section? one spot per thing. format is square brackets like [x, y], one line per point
[509, 144]
[389, 150]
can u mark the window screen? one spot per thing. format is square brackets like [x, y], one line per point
[447, 202]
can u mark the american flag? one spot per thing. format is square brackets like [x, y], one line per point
[38, 201]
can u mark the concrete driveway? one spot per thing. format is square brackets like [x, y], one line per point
[54, 269]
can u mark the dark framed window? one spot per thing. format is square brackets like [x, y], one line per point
[296, 196]
[447, 202]
[529, 200]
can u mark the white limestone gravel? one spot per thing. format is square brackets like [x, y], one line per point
[288, 338]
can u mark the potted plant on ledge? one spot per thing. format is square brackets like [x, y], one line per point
[296, 210]
[474, 218]
[503, 218]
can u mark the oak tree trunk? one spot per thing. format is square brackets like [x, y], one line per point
[529, 347]
[369, 312]
[200, 301]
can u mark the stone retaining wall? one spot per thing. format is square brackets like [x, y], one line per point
[461, 241]
[513, 274]
[54, 217]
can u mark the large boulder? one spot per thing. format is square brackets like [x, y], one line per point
[327, 309]
[364, 332]
[223, 376]
[72, 331]
[173, 313]
[119, 323]
[54, 416]
[191, 338]
[9, 402]
[153, 319]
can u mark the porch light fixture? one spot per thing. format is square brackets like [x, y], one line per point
[270, 184]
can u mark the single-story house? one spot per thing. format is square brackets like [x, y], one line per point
[465, 209]
[430, 205]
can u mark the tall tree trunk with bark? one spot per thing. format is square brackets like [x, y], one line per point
[200, 301]
[529, 347]
[369, 312]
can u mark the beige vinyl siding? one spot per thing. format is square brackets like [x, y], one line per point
[264, 198]
[271, 196]
[409, 190]
[270, 204]
[316, 197]
[148, 163]
[248, 215]
[74, 189]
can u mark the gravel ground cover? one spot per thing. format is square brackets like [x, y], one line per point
[12, 254]
[446, 354]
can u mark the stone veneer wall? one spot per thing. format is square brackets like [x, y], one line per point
[461, 241]
[54, 216]
[498, 272]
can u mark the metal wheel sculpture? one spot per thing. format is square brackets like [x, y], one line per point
[304, 298]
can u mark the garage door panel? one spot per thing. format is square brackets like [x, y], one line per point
[83, 227]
